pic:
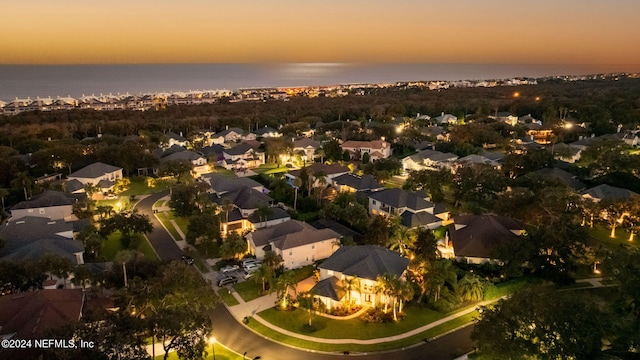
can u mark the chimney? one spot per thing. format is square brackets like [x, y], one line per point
[226, 127]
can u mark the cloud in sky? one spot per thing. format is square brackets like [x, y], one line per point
[204, 31]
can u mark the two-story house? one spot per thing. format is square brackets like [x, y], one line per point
[360, 266]
[297, 242]
[242, 156]
[377, 149]
[428, 160]
[100, 174]
[413, 208]
[54, 205]
[306, 146]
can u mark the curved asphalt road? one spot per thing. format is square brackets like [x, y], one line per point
[159, 238]
[234, 335]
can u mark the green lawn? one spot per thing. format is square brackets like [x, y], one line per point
[354, 328]
[183, 223]
[600, 233]
[199, 261]
[438, 330]
[111, 246]
[227, 298]
[248, 290]
[508, 287]
[159, 203]
[164, 218]
[270, 169]
[222, 353]
[210, 250]
[224, 172]
[139, 186]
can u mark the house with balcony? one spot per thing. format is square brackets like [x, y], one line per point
[298, 243]
[413, 208]
[360, 266]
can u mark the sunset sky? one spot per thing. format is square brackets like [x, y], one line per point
[363, 31]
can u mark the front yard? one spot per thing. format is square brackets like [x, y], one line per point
[111, 246]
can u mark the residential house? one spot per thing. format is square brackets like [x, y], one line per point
[297, 242]
[446, 119]
[198, 162]
[428, 160]
[30, 238]
[354, 183]
[377, 149]
[233, 134]
[330, 172]
[505, 117]
[608, 192]
[476, 238]
[266, 132]
[435, 132]
[238, 207]
[306, 146]
[474, 159]
[566, 153]
[413, 208]
[361, 266]
[32, 315]
[241, 157]
[176, 139]
[54, 205]
[100, 174]
[221, 185]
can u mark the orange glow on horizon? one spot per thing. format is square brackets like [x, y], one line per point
[375, 31]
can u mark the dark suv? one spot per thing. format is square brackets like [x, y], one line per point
[226, 280]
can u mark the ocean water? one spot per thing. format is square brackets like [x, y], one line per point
[22, 81]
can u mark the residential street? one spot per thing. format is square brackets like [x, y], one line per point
[159, 238]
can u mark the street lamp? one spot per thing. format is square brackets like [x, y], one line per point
[212, 341]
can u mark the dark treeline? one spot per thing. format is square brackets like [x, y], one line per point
[603, 103]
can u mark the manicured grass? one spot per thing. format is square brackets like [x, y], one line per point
[303, 273]
[210, 250]
[270, 169]
[111, 246]
[164, 218]
[224, 172]
[438, 330]
[159, 203]
[183, 223]
[139, 186]
[222, 353]
[227, 298]
[600, 233]
[248, 290]
[508, 287]
[351, 329]
[199, 261]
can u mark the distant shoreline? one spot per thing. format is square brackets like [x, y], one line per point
[44, 81]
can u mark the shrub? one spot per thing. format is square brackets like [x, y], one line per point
[377, 316]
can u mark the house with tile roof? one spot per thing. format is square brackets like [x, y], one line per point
[298, 243]
[363, 264]
[476, 238]
[413, 208]
[54, 205]
[31, 315]
[377, 149]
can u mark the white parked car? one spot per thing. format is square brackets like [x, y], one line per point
[229, 268]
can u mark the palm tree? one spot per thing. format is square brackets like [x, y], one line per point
[263, 275]
[264, 212]
[405, 294]
[297, 183]
[417, 273]
[442, 274]
[321, 178]
[306, 300]
[471, 288]
[350, 284]
[283, 284]
[227, 206]
[124, 256]
[402, 239]
[386, 286]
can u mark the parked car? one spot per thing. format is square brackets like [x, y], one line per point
[252, 267]
[188, 259]
[226, 280]
[248, 273]
[245, 262]
[229, 268]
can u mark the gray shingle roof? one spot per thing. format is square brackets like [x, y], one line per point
[182, 155]
[366, 182]
[94, 170]
[276, 213]
[265, 130]
[222, 184]
[422, 218]
[328, 288]
[48, 198]
[432, 155]
[367, 262]
[244, 198]
[324, 168]
[558, 174]
[290, 234]
[605, 191]
[482, 234]
[398, 198]
[305, 143]
[229, 131]
[238, 149]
